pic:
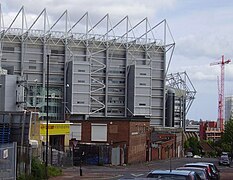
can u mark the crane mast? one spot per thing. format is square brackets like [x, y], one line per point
[221, 91]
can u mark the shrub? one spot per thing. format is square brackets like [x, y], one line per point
[38, 171]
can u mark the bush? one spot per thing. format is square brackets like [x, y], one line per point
[38, 171]
[54, 171]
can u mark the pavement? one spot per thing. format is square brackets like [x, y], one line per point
[87, 173]
[90, 172]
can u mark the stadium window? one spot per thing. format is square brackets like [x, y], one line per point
[81, 70]
[81, 81]
[80, 102]
[32, 67]
[6, 48]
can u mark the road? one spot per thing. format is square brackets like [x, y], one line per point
[137, 170]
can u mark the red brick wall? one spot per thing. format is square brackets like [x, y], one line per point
[118, 133]
[86, 131]
[203, 126]
[129, 134]
[155, 154]
[202, 130]
[137, 142]
[167, 150]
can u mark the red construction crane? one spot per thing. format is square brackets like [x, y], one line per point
[221, 91]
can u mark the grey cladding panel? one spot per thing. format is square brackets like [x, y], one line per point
[143, 91]
[81, 68]
[158, 73]
[12, 56]
[143, 72]
[81, 98]
[157, 83]
[80, 89]
[157, 91]
[80, 109]
[142, 110]
[142, 100]
[157, 102]
[142, 81]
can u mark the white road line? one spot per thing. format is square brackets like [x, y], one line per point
[137, 175]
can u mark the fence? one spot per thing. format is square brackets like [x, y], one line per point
[91, 154]
[17, 160]
[8, 156]
[74, 155]
[61, 157]
[24, 159]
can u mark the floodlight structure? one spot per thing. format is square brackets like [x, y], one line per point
[114, 69]
[184, 94]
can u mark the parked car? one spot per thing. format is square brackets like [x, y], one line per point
[173, 174]
[224, 160]
[213, 172]
[189, 155]
[202, 172]
[227, 154]
[214, 169]
[197, 157]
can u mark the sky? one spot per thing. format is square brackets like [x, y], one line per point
[202, 31]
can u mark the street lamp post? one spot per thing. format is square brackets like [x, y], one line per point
[47, 119]
[34, 122]
[35, 94]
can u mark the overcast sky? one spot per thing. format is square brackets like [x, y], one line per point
[202, 31]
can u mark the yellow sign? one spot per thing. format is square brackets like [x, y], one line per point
[55, 129]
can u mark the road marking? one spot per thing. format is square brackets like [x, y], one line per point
[118, 176]
[137, 175]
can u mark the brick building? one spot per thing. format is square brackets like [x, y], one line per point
[209, 130]
[166, 143]
[128, 137]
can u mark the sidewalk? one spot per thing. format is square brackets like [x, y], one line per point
[91, 172]
[88, 173]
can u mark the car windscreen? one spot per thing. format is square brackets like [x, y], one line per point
[201, 173]
[209, 170]
[224, 158]
[167, 176]
[214, 168]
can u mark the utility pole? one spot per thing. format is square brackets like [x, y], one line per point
[47, 121]
[221, 91]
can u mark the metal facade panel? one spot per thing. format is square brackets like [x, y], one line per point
[9, 88]
[101, 66]
[8, 160]
[115, 158]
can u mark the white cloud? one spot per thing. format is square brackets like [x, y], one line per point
[136, 9]
[202, 31]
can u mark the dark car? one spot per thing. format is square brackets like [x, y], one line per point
[173, 174]
[202, 172]
[213, 172]
[224, 160]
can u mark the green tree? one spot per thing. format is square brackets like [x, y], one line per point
[192, 144]
[228, 135]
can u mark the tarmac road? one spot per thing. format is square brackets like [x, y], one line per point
[136, 170]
